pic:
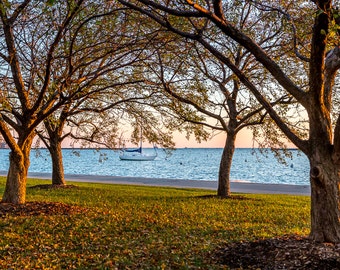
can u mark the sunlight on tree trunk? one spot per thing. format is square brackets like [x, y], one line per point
[15, 191]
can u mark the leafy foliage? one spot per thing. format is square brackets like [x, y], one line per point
[138, 227]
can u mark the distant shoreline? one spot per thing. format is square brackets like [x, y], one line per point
[235, 186]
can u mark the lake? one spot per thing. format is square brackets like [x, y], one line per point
[249, 165]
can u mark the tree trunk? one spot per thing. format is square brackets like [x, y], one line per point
[15, 190]
[225, 167]
[57, 164]
[54, 128]
[325, 198]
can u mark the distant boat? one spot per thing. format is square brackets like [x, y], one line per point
[137, 154]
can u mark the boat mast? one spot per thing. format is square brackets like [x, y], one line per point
[141, 138]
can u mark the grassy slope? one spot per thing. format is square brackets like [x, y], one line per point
[133, 227]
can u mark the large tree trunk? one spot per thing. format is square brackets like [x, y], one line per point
[15, 191]
[57, 164]
[325, 198]
[225, 167]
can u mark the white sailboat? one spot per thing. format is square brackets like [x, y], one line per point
[137, 153]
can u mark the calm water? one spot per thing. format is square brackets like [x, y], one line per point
[191, 163]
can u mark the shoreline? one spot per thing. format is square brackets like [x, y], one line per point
[235, 186]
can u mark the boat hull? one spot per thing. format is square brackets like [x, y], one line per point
[136, 157]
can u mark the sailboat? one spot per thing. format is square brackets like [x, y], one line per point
[137, 153]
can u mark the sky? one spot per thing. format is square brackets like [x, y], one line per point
[243, 140]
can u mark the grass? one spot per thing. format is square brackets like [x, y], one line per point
[138, 227]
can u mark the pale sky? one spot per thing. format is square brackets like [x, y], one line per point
[243, 140]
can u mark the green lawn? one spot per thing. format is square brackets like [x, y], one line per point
[138, 227]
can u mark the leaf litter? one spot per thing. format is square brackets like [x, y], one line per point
[286, 252]
[38, 208]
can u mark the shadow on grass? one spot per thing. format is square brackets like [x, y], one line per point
[39, 208]
[232, 197]
[285, 252]
[50, 186]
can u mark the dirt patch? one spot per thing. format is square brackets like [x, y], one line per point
[289, 252]
[39, 208]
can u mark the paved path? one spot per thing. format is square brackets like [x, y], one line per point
[242, 187]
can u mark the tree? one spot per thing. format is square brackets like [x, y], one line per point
[93, 123]
[315, 43]
[107, 61]
[207, 86]
[104, 92]
[48, 60]
[27, 96]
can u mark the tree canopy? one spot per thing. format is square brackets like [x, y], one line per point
[308, 39]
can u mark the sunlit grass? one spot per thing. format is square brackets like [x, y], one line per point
[138, 227]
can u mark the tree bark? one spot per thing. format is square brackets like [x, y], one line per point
[15, 190]
[57, 164]
[325, 198]
[225, 167]
[54, 129]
